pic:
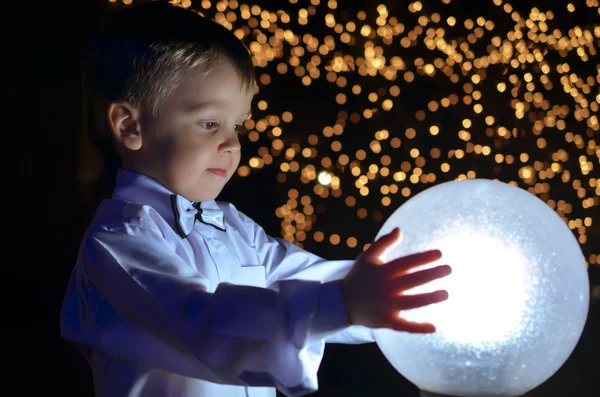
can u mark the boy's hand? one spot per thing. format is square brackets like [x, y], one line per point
[374, 291]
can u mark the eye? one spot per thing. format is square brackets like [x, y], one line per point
[240, 129]
[209, 125]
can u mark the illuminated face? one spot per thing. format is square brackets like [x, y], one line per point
[193, 146]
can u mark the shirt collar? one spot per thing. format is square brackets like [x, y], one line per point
[181, 213]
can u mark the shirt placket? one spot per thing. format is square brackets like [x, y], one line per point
[224, 260]
[225, 263]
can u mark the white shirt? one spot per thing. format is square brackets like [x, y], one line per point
[214, 314]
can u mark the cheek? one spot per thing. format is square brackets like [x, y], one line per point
[236, 160]
[186, 159]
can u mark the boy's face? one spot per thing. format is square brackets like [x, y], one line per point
[193, 146]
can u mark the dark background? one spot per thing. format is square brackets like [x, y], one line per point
[45, 215]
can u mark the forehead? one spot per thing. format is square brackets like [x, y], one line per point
[219, 84]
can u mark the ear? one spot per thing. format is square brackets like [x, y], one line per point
[125, 124]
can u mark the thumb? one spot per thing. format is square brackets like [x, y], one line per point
[379, 249]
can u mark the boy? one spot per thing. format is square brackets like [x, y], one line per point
[176, 294]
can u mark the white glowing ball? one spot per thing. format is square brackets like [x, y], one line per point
[518, 292]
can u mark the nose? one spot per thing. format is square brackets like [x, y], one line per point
[231, 143]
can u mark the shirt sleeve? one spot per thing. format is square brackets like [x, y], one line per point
[286, 261]
[139, 301]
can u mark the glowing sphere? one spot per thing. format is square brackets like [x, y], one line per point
[518, 292]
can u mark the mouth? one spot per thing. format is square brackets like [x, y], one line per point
[218, 171]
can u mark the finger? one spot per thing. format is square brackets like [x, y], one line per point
[401, 265]
[421, 277]
[397, 323]
[381, 246]
[406, 302]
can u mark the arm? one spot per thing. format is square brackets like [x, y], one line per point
[142, 303]
[285, 261]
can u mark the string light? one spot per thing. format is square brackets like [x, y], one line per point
[406, 100]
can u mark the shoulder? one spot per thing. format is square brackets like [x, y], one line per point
[120, 217]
